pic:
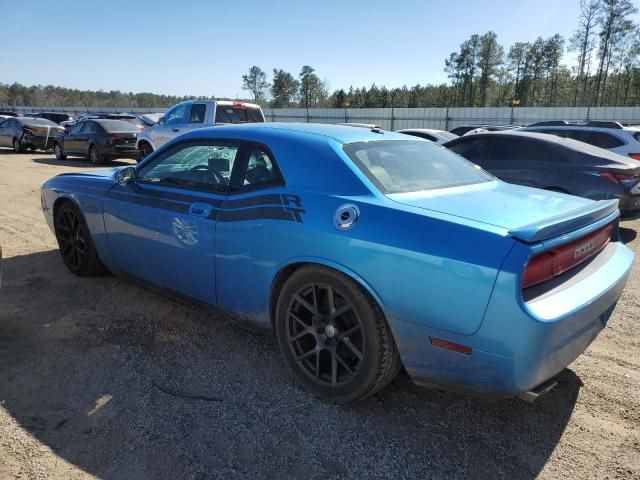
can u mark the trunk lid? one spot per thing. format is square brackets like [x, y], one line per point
[529, 214]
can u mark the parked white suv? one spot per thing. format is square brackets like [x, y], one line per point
[194, 114]
[608, 135]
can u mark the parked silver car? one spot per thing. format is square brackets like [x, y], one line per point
[194, 114]
[436, 136]
[611, 136]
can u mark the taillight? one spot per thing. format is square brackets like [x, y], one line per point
[27, 130]
[617, 177]
[635, 156]
[558, 260]
[115, 138]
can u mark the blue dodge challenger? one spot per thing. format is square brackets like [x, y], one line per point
[366, 250]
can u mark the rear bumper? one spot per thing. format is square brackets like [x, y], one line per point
[121, 152]
[519, 345]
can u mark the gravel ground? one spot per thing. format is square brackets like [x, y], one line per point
[89, 369]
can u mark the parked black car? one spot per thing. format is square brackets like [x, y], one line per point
[8, 113]
[55, 117]
[98, 139]
[126, 117]
[25, 132]
[553, 163]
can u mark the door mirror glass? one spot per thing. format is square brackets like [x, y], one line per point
[126, 175]
[161, 121]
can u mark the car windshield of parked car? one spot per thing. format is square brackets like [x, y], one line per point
[411, 166]
[118, 126]
[40, 121]
[231, 114]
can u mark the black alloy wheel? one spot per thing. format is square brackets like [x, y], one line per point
[325, 334]
[334, 336]
[74, 240]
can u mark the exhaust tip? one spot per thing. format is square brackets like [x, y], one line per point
[535, 393]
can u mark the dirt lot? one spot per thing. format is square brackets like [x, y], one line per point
[90, 369]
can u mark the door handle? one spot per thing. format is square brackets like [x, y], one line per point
[200, 209]
[176, 130]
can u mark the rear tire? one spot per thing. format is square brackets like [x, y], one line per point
[76, 246]
[95, 157]
[57, 149]
[334, 336]
[17, 146]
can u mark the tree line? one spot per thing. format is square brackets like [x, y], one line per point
[481, 73]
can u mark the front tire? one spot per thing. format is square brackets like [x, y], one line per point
[78, 252]
[95, 157]
[57, 149]
[17, 146]
[334, 336]
[145, 151]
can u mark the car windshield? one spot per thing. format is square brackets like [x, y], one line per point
[40, 121]
[411, 166]
[117, 126]
[232, 114]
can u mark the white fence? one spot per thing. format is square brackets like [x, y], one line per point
[447, 118]
[397, 118]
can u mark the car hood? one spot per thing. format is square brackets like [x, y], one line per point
[101, 172]
[527, 213]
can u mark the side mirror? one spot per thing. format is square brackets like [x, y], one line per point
[126, 175]
[161, 121]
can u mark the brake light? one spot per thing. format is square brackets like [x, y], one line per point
[635, 156]
[27, 130]
[617, 177]
[558, 260]
[239, 105]
[113, 138]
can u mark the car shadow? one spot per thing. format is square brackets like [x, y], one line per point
[122, 382]
[627, 235]
[81, 162]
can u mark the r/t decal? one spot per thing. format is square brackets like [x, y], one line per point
[293, 205]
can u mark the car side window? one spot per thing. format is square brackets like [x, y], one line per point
[200, 167]
[89, 127]
[474, 149]
[197, 113]
[177, 115]
[261, 170]
[605, 140]
[77, 127]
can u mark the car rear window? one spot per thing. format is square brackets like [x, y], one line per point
[117, 126]
[233, 114]
[637, 136]
[411, 166]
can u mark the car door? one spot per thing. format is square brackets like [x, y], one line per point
[70, 139]
[85, 136]
[174, 122]
[256, 219]
[6, 132]
[195, 117]
[161, 227]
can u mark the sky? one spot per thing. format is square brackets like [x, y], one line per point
[188, 47]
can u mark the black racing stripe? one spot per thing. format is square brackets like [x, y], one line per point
[175, 196]
[258, 213]
[270, 199]
[151, 202]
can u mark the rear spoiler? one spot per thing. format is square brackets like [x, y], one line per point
[566, 222]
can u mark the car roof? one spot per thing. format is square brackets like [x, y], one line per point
[569, 143]
[586, 128]
[340, 133]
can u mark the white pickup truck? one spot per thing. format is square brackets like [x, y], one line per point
[194, 114]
